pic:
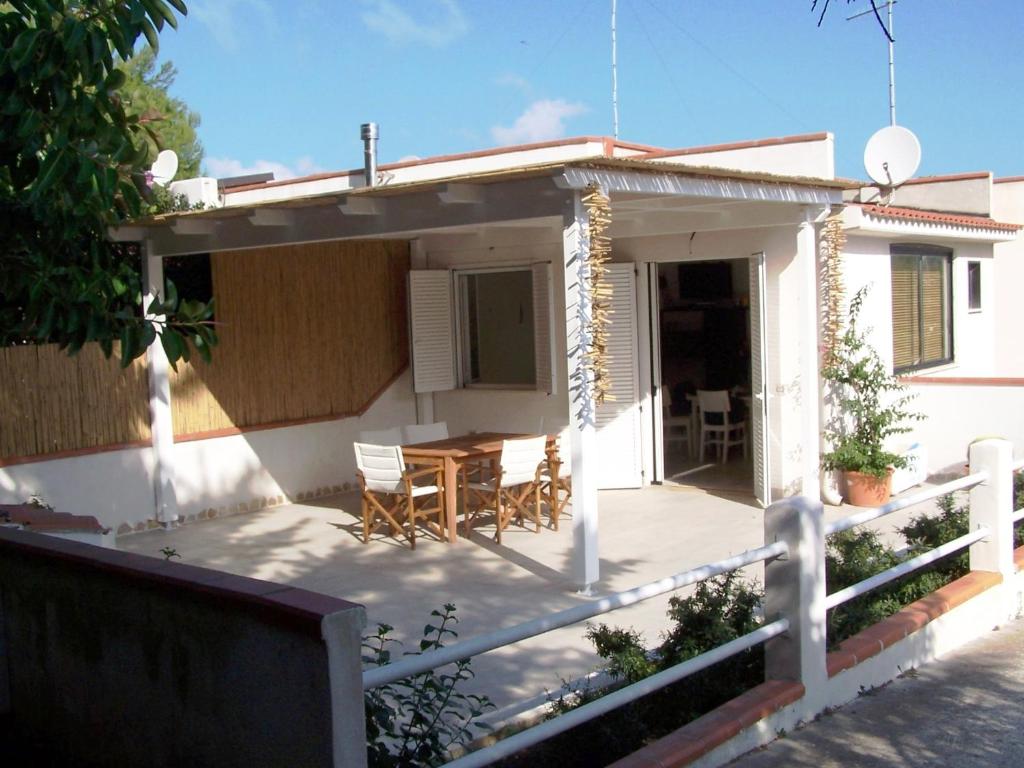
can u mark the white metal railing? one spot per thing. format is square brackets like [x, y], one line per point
[414, 665]
[904, 568]
[618, 698]
[969, 481]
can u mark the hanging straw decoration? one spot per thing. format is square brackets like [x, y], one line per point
[599, 211]
[833, 290]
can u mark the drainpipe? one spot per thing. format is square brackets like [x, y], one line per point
[369, 134]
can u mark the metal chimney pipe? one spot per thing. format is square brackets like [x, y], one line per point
[369, 134]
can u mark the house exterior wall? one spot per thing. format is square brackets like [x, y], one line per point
[959, 194]
[813, 159]
[1008, 206]
[866, 262]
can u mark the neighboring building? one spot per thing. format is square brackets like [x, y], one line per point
[468, 267]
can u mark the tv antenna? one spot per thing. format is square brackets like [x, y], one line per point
[615, 80]
[892, 49]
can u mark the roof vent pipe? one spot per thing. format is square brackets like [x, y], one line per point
[369, 134]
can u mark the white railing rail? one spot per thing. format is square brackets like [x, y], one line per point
[618, 698]
[904, 569]
[414, 665]
[961, 483]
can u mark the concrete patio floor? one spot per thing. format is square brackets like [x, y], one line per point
[644, 535]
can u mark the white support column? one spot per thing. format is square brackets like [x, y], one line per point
[165, 500]
[582, 429]
[810, 385]
[424, 400]
[992, 507]
[342, 634]
[794, 588]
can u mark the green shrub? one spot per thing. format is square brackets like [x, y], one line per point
[416, 721]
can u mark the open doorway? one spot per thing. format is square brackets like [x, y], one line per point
[705, 333]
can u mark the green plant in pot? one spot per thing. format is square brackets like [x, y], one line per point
[869, 406]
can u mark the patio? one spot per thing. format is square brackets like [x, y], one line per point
[645, 535]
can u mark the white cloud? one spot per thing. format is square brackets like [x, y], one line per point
[224, 17]
[511, 80]
[225, 167]
[439, 27]
[541, 121]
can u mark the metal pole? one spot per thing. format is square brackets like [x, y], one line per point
[615, 80]
[892, 71]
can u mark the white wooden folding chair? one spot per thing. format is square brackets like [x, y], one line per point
[514, 491]
[552, 489]
[716, 429]
[391, 498]
[390, 436]
[677, 429]
[424, 433]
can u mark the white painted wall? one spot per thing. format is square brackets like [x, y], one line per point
[958, 195]
[959, 414]
[254, 468]
[814, 159]
[1008, 281]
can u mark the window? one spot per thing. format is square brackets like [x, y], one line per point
[974, 286]
[921, 325]
[192, 276]
[496, 317]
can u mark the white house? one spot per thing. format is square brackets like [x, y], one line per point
[714, 247]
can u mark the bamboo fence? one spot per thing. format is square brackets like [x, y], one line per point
[51, 403]
[310, 331]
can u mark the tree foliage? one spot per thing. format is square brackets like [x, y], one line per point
[170, 122]
[72, 165]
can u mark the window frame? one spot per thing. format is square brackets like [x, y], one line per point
[921, 251]
[462, 327]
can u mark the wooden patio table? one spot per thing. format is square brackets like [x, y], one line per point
[453, 452]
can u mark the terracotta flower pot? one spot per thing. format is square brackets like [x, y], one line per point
[867, 490]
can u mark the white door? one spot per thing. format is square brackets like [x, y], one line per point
[759, 382]
[618, 419]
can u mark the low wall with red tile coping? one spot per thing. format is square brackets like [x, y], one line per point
[114, 658]
[694, 740]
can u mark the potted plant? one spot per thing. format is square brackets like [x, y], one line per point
[869, 406]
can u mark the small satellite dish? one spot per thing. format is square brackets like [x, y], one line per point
[892, 155]
[164, 168]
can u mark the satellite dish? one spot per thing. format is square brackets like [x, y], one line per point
[892, 155]
[164, 168]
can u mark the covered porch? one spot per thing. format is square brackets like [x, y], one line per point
[534, 222]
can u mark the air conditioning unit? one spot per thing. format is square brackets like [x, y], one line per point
[199, 190]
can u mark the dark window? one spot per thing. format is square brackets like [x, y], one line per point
[974, 285]
[191, 275]
[922, 333]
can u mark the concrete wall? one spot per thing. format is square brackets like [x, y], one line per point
[971, 193]
[814, 158]
[114, 659]
[1008, 206]
[241, 472]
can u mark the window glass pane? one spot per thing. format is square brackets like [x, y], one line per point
[498, 328]
[974, 285]
[906, 346]
[934, 344]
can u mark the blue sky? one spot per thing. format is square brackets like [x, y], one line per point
[284, 84]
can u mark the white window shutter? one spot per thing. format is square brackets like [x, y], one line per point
[543, 313]
[431, 330]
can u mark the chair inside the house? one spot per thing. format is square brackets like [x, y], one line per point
[515, 489]
[562, 483]
[717, 429]
[677, 429]
[390, 436]
[391, 496]
[425, 433]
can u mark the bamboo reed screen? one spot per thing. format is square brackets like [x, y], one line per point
[52, 403]
[306, 332]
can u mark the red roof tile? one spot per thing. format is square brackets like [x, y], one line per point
[956, 219]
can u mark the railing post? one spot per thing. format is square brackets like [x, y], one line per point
[343, 635]
[795, 590]
[992, 506]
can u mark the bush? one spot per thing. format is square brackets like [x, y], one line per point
[416, 721]
[719, 610]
